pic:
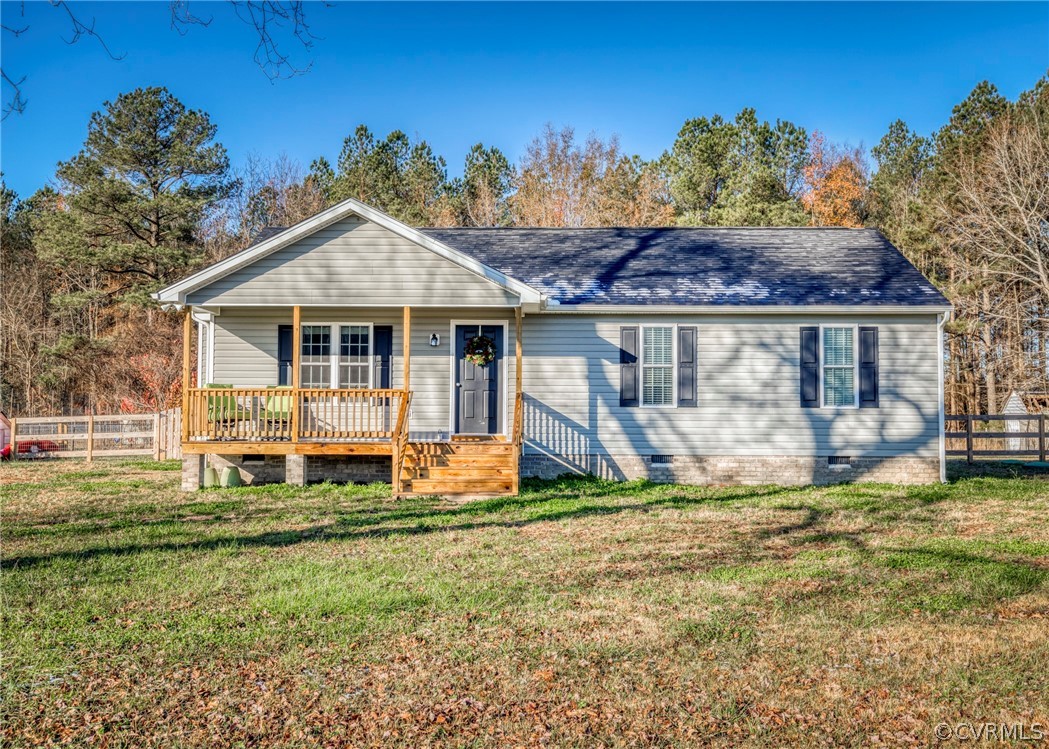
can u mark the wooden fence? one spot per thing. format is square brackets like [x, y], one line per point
[997, 436]
[158, 435]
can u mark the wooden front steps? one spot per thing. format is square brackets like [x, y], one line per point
[461, 467]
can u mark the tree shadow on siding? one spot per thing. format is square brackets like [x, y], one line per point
[579, 445]
[836, 432]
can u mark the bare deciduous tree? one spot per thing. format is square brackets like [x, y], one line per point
[275, 22]
[1000, 207]
[560, 183]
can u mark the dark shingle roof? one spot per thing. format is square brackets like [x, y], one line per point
[685, 266]
[265, 233]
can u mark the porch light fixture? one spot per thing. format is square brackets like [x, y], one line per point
[435, 340]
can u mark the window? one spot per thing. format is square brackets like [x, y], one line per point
[839, 367]
[354, 356]
[657, 366]
[345, 364]
[316, 356]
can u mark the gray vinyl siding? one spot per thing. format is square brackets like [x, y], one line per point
[747, 382]
[353, 262]
[245, 343]
[246, 353]
[748, 400]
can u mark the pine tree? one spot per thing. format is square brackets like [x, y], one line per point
[136, 193]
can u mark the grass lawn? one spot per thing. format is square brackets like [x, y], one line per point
[582, 613]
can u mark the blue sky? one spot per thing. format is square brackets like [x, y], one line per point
[462, 73]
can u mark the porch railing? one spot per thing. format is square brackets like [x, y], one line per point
[286, 414]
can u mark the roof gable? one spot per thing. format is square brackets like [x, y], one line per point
[352, 262]
[266, 245]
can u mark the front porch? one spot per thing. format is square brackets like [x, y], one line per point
[223, 419]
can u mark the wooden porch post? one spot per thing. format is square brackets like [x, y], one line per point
[517, 338]
[400, 438]
[515, 482]
[296, 354]
[407, 348]
[187, 335]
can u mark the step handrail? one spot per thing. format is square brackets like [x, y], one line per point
[400, 442]
[518, 439]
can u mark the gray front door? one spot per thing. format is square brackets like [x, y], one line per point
[477, 389]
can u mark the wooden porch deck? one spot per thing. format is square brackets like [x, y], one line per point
[339, 421]
[347, 422]
[247, 447]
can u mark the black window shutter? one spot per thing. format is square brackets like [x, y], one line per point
[868, 367]
[284, 354]
[628, 375]
[810, 367]
[686, 367]
[383, 355]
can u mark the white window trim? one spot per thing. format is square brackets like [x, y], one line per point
[211, 351]
[673, 367]
[202, 376]
[369, 365]
[333, 354]
[855, 366]
[205, 351]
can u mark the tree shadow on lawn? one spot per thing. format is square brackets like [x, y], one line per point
[972, 579]
[580, 498]
[372, 523]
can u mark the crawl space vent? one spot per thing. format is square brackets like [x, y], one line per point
[662, 459]
[839, 460]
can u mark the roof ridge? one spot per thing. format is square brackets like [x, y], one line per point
[644, 228]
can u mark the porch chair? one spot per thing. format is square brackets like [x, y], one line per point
[278, 407]
[220, 405]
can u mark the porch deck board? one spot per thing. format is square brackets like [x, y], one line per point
[244, 447]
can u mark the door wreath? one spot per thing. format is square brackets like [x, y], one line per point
[480, 350]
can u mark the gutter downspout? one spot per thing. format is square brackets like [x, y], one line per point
[942, 406]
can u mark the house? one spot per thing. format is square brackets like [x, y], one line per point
[354, 347]
[1022, 403]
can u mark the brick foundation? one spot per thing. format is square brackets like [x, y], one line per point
[267, 470]
[709, 469]
[293, 469]
[192, 472]
[356, 469]
[739, 470]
